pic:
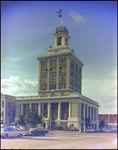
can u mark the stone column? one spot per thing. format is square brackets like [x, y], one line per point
[63, 40]
[79, 116]
[55, 41]
[39, 76]
[48, 74]
[21, 109]
[90, 113]
[93, 118]
[70, 109]
[87, 111]
[83, 111]
[49, 113]
[30, 106]
[74, 76]
[59, 111]
[39, 109]
[84, 115]
[68, 72]
[97, 118]
[57, 86]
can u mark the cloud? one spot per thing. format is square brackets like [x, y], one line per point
[77, 17]
[18, 87]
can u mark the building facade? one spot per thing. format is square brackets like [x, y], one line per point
[109, 119]
[7, 108]
[59, 87]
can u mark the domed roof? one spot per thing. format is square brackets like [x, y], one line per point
[61, 28]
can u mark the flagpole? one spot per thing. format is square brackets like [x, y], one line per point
[62, 17]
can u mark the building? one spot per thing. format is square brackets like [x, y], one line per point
[59, 87]
[109, 119]
[7, 108]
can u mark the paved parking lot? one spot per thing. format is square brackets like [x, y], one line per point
[63, 140]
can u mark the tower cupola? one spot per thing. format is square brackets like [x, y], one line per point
[61, 36]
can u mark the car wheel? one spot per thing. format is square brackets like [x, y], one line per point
[6, 135]
[19, 135]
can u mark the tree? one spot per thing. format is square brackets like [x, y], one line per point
[87, 122]
[102, 124]
[21, 120]
[32, 118]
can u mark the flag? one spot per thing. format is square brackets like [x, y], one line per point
[59, 12]
[60, 16]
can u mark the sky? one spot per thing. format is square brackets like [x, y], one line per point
[27, 29]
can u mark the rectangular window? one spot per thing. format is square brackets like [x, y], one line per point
[65, 105]
[76, 75]
[71, 63]
[52, 62]
[44, 63]
[79, 76]
[59, 40]
[79, 69]
[34, 107]
[62, 69]
[45, 106]
[53, 86]
[44, 71]
[63, 77]
[43, 79]
[43, 87]
[76, 66]
[62, 86]
[2, 103]
[8, 104]
[62, 61]
[52, 79]
[71, 72]
[54, 106]
[53, 70]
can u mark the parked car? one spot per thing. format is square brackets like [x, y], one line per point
[90, 130]
[36, 131]
[12, 133]
[113, 129]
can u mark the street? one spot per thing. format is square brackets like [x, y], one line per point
[63, 140]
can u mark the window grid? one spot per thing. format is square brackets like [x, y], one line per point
[63, 77]
[43, 87]
[53, 86]
[52, 79]
[53, 70]
[59, 40]
[43, 79]
[62, 69]
[44, 63]
[52, 62]
[62, 61]
[62, 86]
[44, 71]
